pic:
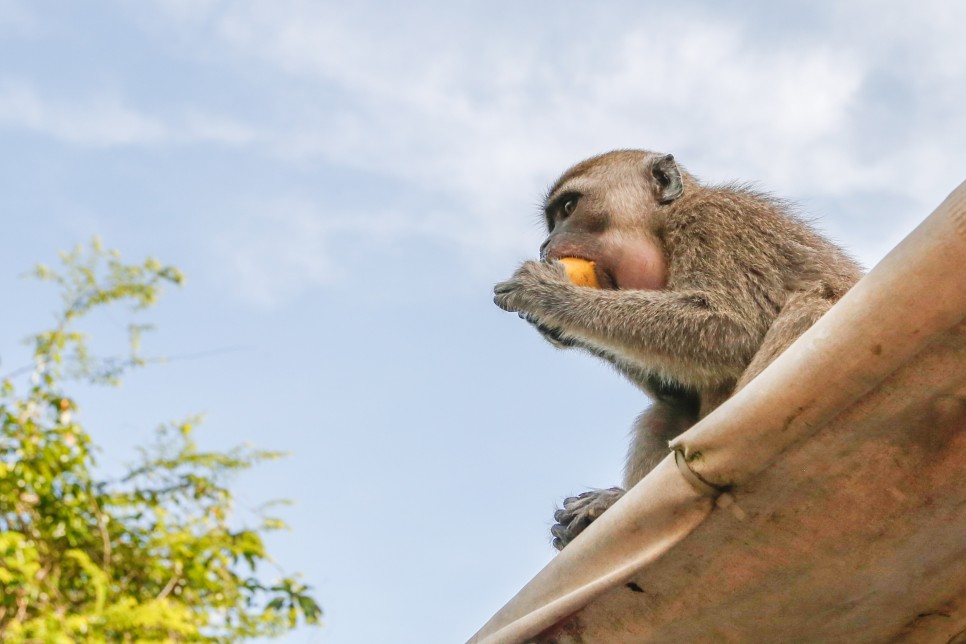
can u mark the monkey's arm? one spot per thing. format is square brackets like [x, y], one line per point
[637, 374]
[801, 311]
[692, 334]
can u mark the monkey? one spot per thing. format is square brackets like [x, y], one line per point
[700, 288]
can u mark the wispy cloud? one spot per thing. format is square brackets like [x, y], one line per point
[201, 127]
[103, 121]
[277, 253]
[471, 105]
[109, 121]
[486, 117]
[472, 110]
[277, 250]
[481, 110]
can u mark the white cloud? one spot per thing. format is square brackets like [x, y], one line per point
[108, 121]
[469, 112]
[187, 11]
[102, 122]
[276, 254]
[279, 249]
[489, 118]
[484, 111]
[199, 127]
[466, 104]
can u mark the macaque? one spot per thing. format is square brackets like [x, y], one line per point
[698, 288]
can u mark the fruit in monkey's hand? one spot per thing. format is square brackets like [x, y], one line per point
[580, 271]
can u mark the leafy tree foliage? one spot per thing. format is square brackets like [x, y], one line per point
[152, 555]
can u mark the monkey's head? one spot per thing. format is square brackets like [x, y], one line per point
[607, 210]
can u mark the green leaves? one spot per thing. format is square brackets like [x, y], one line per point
[155, 555]
[294, 601]
[94, 277]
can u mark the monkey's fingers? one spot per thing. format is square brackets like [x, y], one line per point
[551, 334]
[503, 295]
[580, 511]
[564, 533]
[594, 501]
[504, 287]
[503, 302]
[569, 525]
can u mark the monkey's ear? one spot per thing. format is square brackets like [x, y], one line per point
[666, 173]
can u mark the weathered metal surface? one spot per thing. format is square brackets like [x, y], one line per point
[845, 512]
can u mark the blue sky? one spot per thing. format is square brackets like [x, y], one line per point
[343, 183]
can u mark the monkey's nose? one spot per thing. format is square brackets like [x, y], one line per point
[543, 249]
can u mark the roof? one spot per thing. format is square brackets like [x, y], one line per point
[825, 501]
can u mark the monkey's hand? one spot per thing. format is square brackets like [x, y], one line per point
[551, 334]
[579, 511]
[530, 290]
[533, 287]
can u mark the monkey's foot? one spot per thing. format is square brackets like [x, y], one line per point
[580, 511]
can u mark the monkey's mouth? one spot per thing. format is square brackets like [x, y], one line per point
[604, 278]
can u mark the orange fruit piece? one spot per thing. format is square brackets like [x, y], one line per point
[580, 271]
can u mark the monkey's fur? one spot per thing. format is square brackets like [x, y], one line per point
[703, 286]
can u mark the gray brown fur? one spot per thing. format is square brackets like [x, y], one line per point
[742, 278]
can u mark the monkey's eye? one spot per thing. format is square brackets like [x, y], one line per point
[569, 206]
[561, 208]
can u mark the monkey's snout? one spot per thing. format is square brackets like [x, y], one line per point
[543, 249]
